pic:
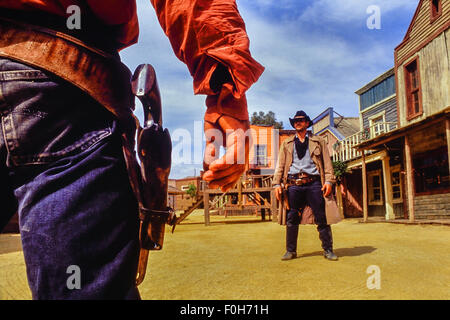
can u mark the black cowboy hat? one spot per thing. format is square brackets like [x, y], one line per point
[301, 114]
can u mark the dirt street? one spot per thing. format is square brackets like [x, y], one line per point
[239, 258]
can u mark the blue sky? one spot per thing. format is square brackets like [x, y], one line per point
[317, 53]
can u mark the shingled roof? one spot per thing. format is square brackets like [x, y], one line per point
[347, 126]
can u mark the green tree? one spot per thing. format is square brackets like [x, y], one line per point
[261, 118]
[192, 190]
[340, 168]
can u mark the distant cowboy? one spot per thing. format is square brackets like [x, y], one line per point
[305, 173]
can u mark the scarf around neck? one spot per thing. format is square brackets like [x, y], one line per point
[301, 147]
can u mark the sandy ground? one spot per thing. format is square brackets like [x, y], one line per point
[239, 258]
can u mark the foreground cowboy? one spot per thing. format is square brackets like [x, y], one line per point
[304, 167]
[65, 102]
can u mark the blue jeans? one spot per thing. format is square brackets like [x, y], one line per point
[61, 158]
[298, 197]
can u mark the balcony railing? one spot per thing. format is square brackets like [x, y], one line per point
[344, 150]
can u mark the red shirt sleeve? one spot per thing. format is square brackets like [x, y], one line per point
[205, 34]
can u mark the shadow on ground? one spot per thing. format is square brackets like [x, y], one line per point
[344, 252]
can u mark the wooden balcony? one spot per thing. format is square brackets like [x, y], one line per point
[345, 151]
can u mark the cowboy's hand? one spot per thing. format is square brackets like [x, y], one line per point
[326, 189]
[278, 191]
[228, 132]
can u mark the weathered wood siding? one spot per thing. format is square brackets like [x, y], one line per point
[330, 138]
[323, 123]
[381, 91]
[434, 69]
[184, 201]
[264, 135]
[390, 108]
[428, 139]
[422, 28]
[435, 74]
[434, 206]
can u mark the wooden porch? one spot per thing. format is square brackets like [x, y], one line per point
[252, 195]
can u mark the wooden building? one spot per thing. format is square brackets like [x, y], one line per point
[262, 159]
[253, 193]
[336, 128]
[422, 136]
[381, 168]
[178, 197]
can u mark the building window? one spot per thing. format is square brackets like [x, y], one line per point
[436, 9]
[413, 90]
[375, 190]
[396, 181]
[431, 173]
[261, 155]
[377, 124]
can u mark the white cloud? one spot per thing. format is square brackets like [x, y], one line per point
[345, 11]
[311, 69]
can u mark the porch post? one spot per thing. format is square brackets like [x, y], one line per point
[339, 199]
[409, 179]
[447, 130]
[240, 193]
[364, 186]
[388, 188]
[206, 208]
[273, 205]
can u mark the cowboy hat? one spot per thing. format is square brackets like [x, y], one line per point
[299, 115]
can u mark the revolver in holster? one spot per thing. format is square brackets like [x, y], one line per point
[149, 179]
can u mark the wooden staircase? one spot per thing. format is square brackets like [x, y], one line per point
[254, 198]
[198, 201]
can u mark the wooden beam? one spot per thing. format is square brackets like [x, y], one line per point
[273, 203]
[388, 189]
[243, 191]
[206, 206]
[368, 158]
[364, 186]
[447, 130]
[339, 200]
[409, 179]
[240, 193]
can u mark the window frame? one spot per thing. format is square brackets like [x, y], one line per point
[410, 108]
[419, 169]
[394, 169]
[259, 156]
[434, 15]
[371, 188]
[372, 121]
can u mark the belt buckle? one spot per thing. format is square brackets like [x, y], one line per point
[298, 182]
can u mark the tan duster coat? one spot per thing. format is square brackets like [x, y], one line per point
[321, 158]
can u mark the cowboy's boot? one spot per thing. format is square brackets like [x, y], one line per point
[291, 242]
[326, 237]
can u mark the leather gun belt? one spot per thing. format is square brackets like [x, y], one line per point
[99, 74]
